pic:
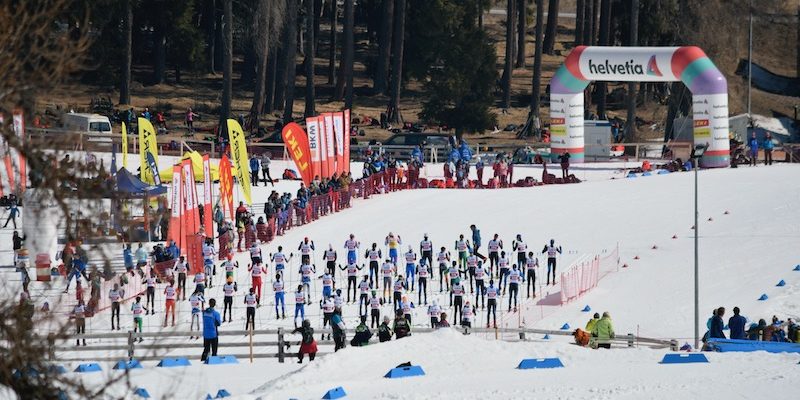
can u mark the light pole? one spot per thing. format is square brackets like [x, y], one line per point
[749, 57]
[697, 153]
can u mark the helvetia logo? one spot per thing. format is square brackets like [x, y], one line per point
[652, 67]
[628, 68]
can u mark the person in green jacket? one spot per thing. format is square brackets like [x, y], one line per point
[590, 325]
[602, 332]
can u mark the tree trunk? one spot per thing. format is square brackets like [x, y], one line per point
[272, 77]
[219, 49]
[579, 9]
[604, 39]
[630, 131]
[281, 73]
[317, 21]
[349, 51]
[290, 42]
[480, 14]
[508, 69]
[127, 58]
[513, 18]
[210, 20]
[552, 28]
[262, 53]
[537, 60]
[159, 45]
[227, 66]
[332, 49]
[595, 14]
[587, 22]
[522, 27]
[397, 61]
[309, 62]
[384, 47]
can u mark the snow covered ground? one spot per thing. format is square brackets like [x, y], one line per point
[743, 254]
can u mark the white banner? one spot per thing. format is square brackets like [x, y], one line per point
[637, 64]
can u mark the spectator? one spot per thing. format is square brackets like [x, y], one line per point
[753, 144]
[146, 114]
[443, 321]
[592, 322]
[161, 122]
[384, 331]
[307, 345]
[756, 331]
[211, 322]
[363, 333]
[401, 327]
[190, 121]
[13, 211]
[564, 159]
[768, 146]
[736, 325]
[254, 167]
[265, 161]
[717, 325]
[603, 332]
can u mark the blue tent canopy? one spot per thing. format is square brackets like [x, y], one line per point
[129, 186]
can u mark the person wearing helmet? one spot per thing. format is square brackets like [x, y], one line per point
[503, 266]
[457, 296]
[387, 269]
[374, 309]
[426, 250]
[411, 259]
[280, 259]
[352, 246]
[374, 256]
[299, 304]
[552, 251]
[453, 274]
[228, 289]
[467, 313]
[492, 293]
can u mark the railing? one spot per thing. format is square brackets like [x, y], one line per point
[584, 274]
[271, 343]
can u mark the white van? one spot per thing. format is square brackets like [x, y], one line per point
[89, 123]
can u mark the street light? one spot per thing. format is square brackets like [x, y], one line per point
[697, 154]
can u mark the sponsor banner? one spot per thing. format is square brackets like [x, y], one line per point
[313, 127]
[208, 221]
[176, 205]
[637, 64]
[346, 141]
[338, 129]
[240, 160]
[323, 153]
[329, 148]
[19, 130]
[710, 115]
[147, 145]
[296, 142]
[226, 187]
[566, 124]
[124, 146]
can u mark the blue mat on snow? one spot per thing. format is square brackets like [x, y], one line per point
[731, 345]
[537, 363]
[404, 372]
[684, 358]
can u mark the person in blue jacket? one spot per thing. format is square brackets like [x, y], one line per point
[416, 152]
[717, 324]
[753, 144]
[466, 152]
[254, 168]
[127, 257]
[211, 322]
[768, 146]
[476, 241]
[173, 250]
[736, 325]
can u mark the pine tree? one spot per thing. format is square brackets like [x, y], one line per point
[552, 27]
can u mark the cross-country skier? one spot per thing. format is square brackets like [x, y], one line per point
[255, 274]
[299, 304]
[480, 287]
[514, 277]
[305, 248]
[423, 271]
[306, 271]
[280, 259]
[228, 290]
[352, 278]
[462, 247]
[387, 269]
[492, 294]
[277, 286]
[426, 250]
[433, 313]
[411, 259]
[363, 297]
[457, 298]
[374, 310]
[330, 257]
[495, 245]
[443, 258]
[352, 246]
[374, 256]
[393, 242]
[327, 284]
[502, 263]
[250, 302]
[551, 250]
[520, 247]
[531, 263]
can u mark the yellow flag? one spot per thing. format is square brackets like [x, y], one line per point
[124, 146]
[147, 144]
[239, 155]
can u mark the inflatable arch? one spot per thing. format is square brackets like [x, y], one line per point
[690, 65]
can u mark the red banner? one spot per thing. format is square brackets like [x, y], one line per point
[296, 142]
[226, 186]
[346, 141]
[338, 132]
[208, 221]
[330, 145]
[19, 129]
[191, 216]
[176, 206]
[323, 146]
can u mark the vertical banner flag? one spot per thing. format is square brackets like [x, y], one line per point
[124, 146]
[176, 206]
[19, 129]
[346, 140]
[239, 154]
[296, 142]
[191, 218]
[147, 145]
[338, 130]
[329, 144]
[151, 163]
[207, 217]
[226, 186]
[312, 127]
[4, 154]
[323, 153]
